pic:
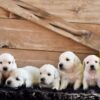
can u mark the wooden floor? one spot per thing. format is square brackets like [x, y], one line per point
[32, 44]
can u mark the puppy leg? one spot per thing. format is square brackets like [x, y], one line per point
[77, 84]
[56, 84]
[98, 83]
[64, 84]
[85, 84]
[28, 83]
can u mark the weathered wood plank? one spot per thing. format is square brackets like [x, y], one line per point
[83, 11]
[43, 18]
[51, 22]
[22, 34]
[3, 13]
[36, 58]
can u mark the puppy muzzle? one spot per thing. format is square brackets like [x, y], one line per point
[42, 80]
[9, 82]
[5, 68]
[92, 67]
[61, 66]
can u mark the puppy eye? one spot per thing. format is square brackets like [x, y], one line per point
[0, 62]
[67, 59]
[49, 74]
[17, 79]
[40, 73]
[9, 62]
[87, 62]
[96, 61]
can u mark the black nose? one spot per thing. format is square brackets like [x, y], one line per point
[92, 67]
[5, 68]
[42, 79]
[61, 66]
[8, 82]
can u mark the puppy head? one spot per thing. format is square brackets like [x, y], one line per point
[14, 80]
[48, 73]
[91, 63]
[67, 61]
[7, 62]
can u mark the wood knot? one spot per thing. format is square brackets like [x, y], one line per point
[4, 45]
[86, 34]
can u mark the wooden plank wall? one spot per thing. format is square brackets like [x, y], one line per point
[32, 44]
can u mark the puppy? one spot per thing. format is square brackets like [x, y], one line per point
[49, 77]
[7, 64]
[71, 70]
[91, 72]
[27, 76]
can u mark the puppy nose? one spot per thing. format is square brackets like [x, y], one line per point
[42, 79]
[92, 67]
[5, 68]
[61, 66]
[8, 82]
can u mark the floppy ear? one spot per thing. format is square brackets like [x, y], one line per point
[77, 61]
[99, 61]
[83, 63]
[13, 61]
[56, 74]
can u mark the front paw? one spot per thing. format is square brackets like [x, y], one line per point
[76, 87]
[62, 88]
[55, 88]
[85, 87]
[98, 84]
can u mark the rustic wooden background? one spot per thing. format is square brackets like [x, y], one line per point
[32, 44]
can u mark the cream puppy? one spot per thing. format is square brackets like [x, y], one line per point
[71, 70]
[91, 72]
[49, 77]
[7, 64]
[27, 76]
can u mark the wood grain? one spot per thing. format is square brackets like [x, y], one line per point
[51, 22]
[3, 13]
[21, 34]
[35, 57]
[82, 11]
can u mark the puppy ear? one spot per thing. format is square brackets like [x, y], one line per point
[13, 61]
[99, 61]
[84, 64]
[77, 61]
[56, 74]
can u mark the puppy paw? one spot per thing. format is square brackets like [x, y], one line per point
[76, 87]
[55, 88]
[77, 84]
[98, 84]
[85, 87]
[62, 88]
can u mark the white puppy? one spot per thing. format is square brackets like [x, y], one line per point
[71, 70]
[7, 64]
[27, 76]
[49, 77]
[91, 72]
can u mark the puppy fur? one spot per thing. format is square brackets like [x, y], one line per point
[1, 77]
[27, 76]
[7, 64]
[71, 70]
[49, 77]
[92, 71]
